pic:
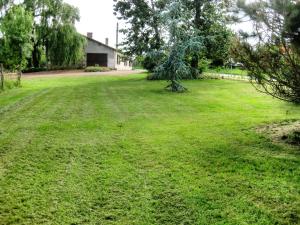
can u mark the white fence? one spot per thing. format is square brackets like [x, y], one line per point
[229, 76]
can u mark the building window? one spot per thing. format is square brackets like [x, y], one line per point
[125, 62]
[118, 60]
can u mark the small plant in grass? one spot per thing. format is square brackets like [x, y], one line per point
[293, 138]
[97, 69]
[10, 84]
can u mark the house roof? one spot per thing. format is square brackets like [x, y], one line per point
[100, 43]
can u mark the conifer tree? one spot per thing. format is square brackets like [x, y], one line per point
[271, 52]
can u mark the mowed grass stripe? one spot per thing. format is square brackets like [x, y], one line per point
[120, 150]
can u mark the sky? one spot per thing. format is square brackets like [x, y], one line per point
[97, 17]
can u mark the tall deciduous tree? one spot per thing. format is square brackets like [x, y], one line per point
[143, 31]
[16, 28]
[53, 29]
[65, 46]
[209, 18]
[272, 57]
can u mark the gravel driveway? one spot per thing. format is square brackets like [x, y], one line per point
[69, 73]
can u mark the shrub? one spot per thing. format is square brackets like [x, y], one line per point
[204, 65]
[10, 84]
[33, 69]
[97, 69]
[154, 76]
[153, 59]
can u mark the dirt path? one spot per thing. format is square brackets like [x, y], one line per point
[70, 73]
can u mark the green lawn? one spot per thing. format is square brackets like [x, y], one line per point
[121, 150]
[235, 71]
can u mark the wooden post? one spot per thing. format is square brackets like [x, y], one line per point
[117, 37]
[1, 77]
[19, 78]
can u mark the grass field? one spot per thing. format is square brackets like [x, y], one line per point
[121, 150]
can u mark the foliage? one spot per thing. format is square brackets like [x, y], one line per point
[97, 69]
[204, 64]
[211, 19]
[292, 25]
[10, 84]
[16, 28]
[138, 62]
[65, 46]
[274, 61]
[153, 59]
[176, 67]
[54, 38]
[164, 31]
[34, 69]
[143, 33]
[184, 45]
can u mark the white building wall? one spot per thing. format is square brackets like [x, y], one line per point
[122, 65]
[94, 47]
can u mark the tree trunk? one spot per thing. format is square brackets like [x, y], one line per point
[19, 78]
[195, 66]
[1, 77]
[35, 56]
[156, 27]
[198, 23]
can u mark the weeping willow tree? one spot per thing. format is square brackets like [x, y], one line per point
[56, 33]
[54, 38]
[184, 43]
[65, 46]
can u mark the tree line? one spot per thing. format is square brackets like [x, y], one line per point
[176, 38]
[39, 33]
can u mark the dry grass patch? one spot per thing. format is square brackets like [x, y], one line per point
[287, 132]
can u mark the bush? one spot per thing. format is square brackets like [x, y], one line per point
[204, 65]
[153, 76]
[33, 70]
[97, 69]
[153, 59]
[52, 68]
[10, 84]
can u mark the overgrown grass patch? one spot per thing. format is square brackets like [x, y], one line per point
[121, 150]
[97, 69]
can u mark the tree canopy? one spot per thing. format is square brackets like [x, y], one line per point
[142, 17]
[16, 27]
[271, 52]
[177, 34]
[54, 39]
